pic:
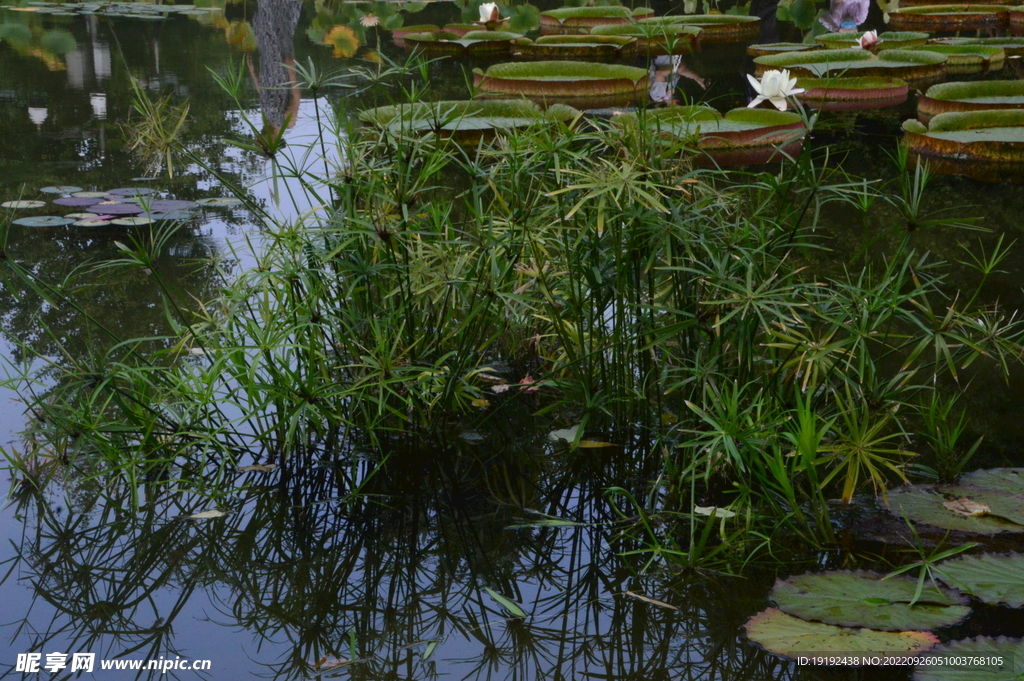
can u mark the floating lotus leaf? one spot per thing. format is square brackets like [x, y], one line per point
[74, 201]
[81, 216]
[89, 195]
[219, 202]
[1005, 479]
[908, 65]
[19, 205]
[925, 503]
[472, 45]
[716, 29]
[991, 578]
[934, 18]
[656, 39]
[764, 49]
[465, 121]
[44, 221]
[1010, 650]
[60, 189]
[133, 221]
[790, 636]
[567, 20]
[132, 191]
[852, 94]
[565, 82]
[973, 96]
[887, 40]
[740, 137]
[177, 214]
[599, 48]
[1011, 46]
[976, 57]
[115, 209]
[864, 599]
[91, 222]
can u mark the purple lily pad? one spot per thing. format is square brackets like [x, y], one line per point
[44, 221]
[74, 201]
[117, 209]
[164, 205]
[132, 191]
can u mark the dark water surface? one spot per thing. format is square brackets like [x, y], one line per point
[394, 584]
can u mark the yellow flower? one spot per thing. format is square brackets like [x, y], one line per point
[344, 41]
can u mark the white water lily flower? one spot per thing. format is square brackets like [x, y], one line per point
[775, 86]
[489, 12]
[867, 41]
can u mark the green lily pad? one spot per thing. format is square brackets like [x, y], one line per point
[60, 189]
[765, 49]
[852, 94]
[89, 195]
[475, 44]
[600, 48]
[887, 40]
[864, 599]
[783, 634]
[91, 222]
[991, 578]
[1005, 479]
[936, 18]
[906, 65]
[1012, 46]
[656, 39]
[925, 504]
[716, 29]
[1011, 652]
[566, 82]
[964, 55]
[219, 202]
[44, 221]
[568, 20]
[19, 205]
[81, 216]
[132, 222]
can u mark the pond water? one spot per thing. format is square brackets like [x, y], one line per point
[399, 583]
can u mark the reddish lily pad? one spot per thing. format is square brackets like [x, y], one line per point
[565, 82]
[935, 18]
[783, 634]
[864, 599]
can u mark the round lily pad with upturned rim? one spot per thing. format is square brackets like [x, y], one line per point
[1009, 650]
[656, 40]
[60, 189]
[472, 45]
[716, 29]
[219, 202]
[601, 48]
[935, 18]
[887, 40]
[852, 94]
[563, 81]
[783, 634]
[906, 65]
[1010, 45]
[44, 221]
[22, 204]
[996, 579]
[968, 55]
[568, 20]
[1005, 479]
[764, 49]
[864, 599]
[926, 503]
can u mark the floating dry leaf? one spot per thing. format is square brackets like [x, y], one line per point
[967, 506]
[718, 511]
[645, 599]
[258, 468]
[206, 515]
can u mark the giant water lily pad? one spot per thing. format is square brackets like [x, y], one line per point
[764, 49]
[472, 45]
[398, 36]
[22, 204]
[852, 94]
[864, 599]
[739, 137]
[565, 82]
[595, 48]
[937, 505]
[1010, 45]
[716, 29]
[656, 39]
[973, 96]
[935, 18]
[969, 58]
[44, 221]
[908, 65]
[887, 40]
[790, 636]
[465, 121]
[568, 20]
[1005, 479]
[996, 579]
[1007, 666]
